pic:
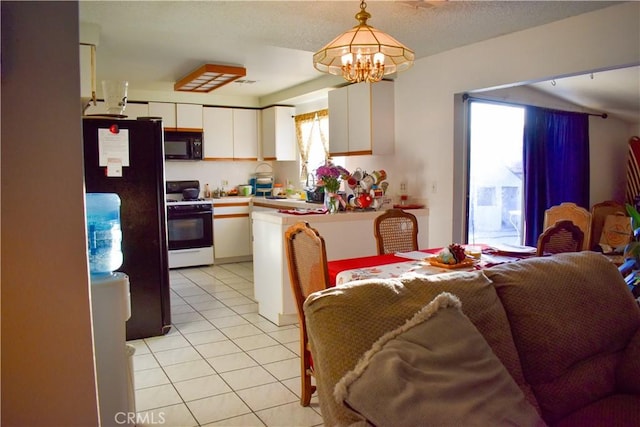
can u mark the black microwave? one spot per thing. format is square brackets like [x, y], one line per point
[180, 145]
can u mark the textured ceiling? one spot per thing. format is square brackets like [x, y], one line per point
[152, 44]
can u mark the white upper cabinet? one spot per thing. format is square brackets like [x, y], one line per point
[133, 110]
[87, 72]
[218, 133]
[361, 119]
[278, 133]
[189, 116]
[339, 121]
[230, 133]
[177, 116]
[166, 110]
[245, 134]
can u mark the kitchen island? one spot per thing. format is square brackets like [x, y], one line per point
[346, 235]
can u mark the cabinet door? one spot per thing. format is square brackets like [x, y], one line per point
[286, 144]
[338, 122]
[268, 128]
[232, 237]
[86, 72]
[189, 116]
[166, 110]
[232, 230]
[279, 134]
[245, 134]
[135, 110]
[359, 113]
[99, 108]
[218, 133]
[382, 118]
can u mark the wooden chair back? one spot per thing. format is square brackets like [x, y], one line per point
[574, 213]
[563, 236]
[599, 213]
[396, 231]
[308, 273]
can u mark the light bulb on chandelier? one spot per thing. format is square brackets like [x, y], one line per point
[363, 53]
[364, 68]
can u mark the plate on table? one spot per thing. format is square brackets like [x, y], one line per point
[514, 249]
[466, 263]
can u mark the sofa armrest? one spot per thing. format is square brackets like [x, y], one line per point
[628, 370]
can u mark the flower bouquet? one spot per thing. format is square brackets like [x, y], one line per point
[329, 177]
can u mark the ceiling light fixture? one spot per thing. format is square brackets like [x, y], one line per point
[363, 53]
[209, 77]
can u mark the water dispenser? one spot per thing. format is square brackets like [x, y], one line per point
[104, 235]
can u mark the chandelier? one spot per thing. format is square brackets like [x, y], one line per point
[363, 53]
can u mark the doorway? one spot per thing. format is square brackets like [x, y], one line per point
[495, 187]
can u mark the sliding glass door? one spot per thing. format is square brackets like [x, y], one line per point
[495, 198]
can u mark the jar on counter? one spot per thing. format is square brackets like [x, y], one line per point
[278, 190]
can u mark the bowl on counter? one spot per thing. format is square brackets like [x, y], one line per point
[245, 190]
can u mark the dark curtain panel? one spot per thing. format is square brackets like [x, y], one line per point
[556, 164]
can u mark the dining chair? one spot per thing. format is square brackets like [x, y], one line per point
[307, 260]
[599, 213]
[576, 214]
[396, 231]
[563, 236]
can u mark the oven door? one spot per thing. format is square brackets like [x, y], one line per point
[188, 230]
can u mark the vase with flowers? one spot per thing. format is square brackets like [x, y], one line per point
[329, 176]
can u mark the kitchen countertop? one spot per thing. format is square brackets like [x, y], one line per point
[285, 218]
[264, 202]
[283, 203]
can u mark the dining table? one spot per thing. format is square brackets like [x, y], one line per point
[402, 264]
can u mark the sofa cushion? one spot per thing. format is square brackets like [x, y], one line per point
[628, 371]
[435, 368]
[619, 410]
[571, 317]
[344, 322]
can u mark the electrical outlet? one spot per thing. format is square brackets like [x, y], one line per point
[224, 182]
[403, 187]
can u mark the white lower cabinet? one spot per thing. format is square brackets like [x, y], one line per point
[231, 232]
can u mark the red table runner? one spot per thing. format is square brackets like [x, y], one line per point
[337, 266]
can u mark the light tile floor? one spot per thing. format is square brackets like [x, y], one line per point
[222, 364]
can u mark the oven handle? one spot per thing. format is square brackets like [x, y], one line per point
[174, 215]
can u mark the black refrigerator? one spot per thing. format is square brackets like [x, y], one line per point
[126, 157]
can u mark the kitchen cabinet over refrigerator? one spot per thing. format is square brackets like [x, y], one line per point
[126, 157]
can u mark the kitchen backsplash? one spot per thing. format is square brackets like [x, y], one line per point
[233, 172]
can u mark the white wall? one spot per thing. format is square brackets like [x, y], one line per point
[47, 350]
[425, 94]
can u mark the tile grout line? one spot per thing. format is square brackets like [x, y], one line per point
[277, 380]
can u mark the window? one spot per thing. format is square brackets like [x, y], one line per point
[312, 130]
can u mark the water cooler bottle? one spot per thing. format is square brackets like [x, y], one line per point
[111, 307]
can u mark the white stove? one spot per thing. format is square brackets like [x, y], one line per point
[190, 227]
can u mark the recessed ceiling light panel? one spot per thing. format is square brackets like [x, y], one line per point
[209, 77]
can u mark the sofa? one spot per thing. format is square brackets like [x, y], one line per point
[542, 341]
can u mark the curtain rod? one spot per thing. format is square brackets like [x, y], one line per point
[466, 97]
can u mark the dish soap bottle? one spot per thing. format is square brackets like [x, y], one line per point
[207, 192]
